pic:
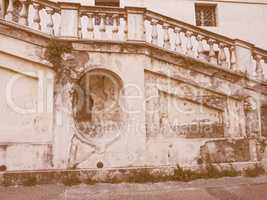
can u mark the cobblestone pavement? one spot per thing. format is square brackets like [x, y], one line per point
[213, 189]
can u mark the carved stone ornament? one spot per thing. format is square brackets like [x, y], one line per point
[250, 104]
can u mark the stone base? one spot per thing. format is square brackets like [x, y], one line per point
[11, 178]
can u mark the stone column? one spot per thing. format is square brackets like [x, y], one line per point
[253, 150]
[253, 129]
[152, 109]
[63, 123]
[136, 26]
[251, 108]
[69, 19]
[2, 8]
[234, 125]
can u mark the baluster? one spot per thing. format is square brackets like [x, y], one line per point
[36, 18]
[50, 23]
[178, 40]
[232, 58]
[1, 10]
[10, 11]
[125, 28]
[23, 15]
[166, 36]
[90, 26]
[259, 69]
[80, 33]
[200, 49]
[212, 54]
[154, 33]
[222, 55]
[102, 26]
[115, 28]
[189, 46]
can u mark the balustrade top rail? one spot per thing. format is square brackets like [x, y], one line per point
[46, 4]
[99, 9]
[134, 24]
[183, 25]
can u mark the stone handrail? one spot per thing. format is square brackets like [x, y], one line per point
[71, 20]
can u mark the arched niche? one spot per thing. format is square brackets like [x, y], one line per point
[97, 104]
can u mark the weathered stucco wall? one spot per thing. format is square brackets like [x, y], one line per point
[220, 123]
[175, 110]
[26, 106]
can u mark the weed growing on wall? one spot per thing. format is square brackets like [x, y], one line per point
[207, 171]
[254, 171]
[30, 181]
[71, 179]
[54, 52]
[90, 181]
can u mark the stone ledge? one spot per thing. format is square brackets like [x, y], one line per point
[10, 178]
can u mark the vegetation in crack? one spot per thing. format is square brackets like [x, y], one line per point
[71, 180]
[254, 171]
[54, 52]
[30, 181]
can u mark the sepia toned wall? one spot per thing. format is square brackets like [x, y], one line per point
[26, 110]
[175, 109]
[159, 100]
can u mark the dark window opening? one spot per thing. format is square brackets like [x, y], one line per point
[205, 14]
[112, 3]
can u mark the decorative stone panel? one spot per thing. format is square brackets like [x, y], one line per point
[225, 151]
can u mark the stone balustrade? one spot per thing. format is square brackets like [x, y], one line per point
[71, 20]
[102, 23]
[183, 38]
[39, 15]
[190, 40]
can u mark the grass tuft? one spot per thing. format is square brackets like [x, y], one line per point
[30, 181]
[186, 175]
[90, 181]
[71, 180]
[254, 171]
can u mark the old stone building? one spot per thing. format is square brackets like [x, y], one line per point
[132, 83]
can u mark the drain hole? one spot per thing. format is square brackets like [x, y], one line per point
[100, 165]
[2, 168]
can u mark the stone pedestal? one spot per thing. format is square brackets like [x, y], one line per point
[136, 27]
[253, 150]
[69, 19]
[243, 57]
